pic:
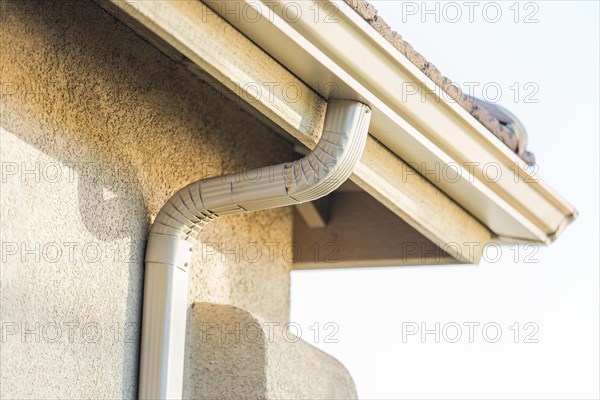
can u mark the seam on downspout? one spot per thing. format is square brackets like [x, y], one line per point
[178, 223]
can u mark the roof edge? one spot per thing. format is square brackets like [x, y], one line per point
[370, 14]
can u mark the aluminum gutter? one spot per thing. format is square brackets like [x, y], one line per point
[426, 129]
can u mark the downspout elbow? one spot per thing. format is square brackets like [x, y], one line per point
[178, 223]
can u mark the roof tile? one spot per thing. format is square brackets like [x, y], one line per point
[369, 13]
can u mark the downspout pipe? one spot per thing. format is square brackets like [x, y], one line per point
[176, 227]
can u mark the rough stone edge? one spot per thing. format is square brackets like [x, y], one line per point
[369, 13]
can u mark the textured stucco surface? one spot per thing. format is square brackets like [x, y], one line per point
[111, 128]
[236, 354]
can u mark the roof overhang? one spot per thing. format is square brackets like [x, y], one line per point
[283, 72]
[330, 47]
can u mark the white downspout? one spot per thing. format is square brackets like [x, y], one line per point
[174, 231]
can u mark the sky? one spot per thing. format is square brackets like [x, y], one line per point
[529, 322]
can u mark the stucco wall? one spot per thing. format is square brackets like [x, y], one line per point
[98, 129]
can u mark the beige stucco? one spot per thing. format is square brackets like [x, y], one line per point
[98, 129]
[236, 354]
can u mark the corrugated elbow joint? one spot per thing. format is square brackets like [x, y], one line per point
[319, 173]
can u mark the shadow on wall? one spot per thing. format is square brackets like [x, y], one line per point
[61, 99]
[88, 92]
[76, 87]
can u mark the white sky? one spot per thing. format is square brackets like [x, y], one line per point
[560, 293]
